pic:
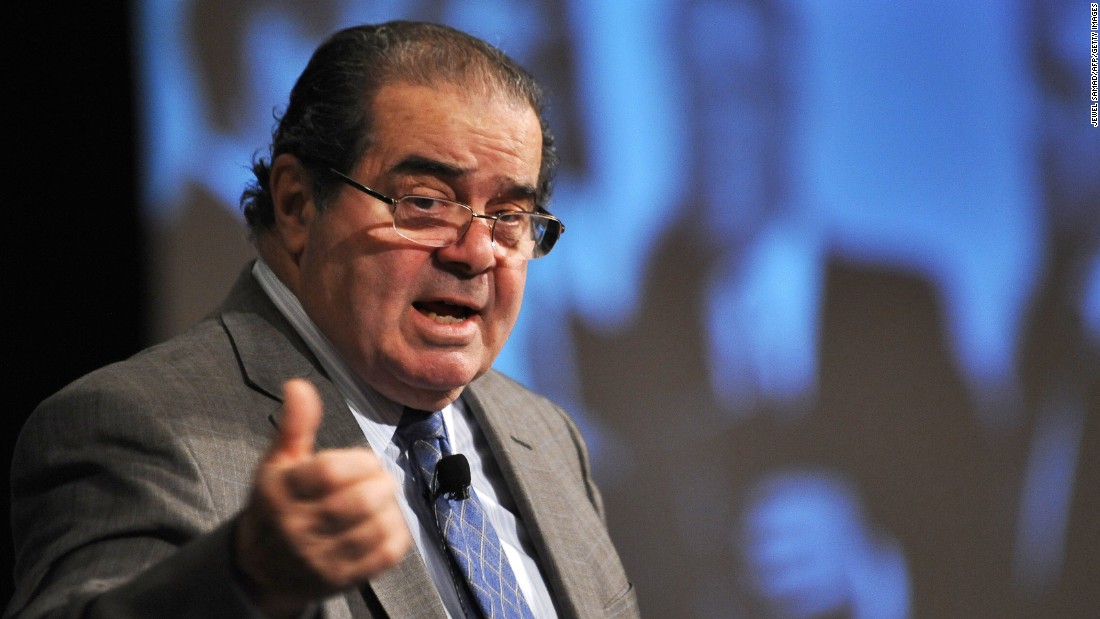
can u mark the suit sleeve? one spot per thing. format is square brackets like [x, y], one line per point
[112, 516]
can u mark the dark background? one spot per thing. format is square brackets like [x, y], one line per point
[75, 250]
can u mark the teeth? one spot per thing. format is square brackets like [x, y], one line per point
[447, 320]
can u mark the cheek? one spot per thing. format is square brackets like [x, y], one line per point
[362, 314]
[510, 282]
[355, 263]
[374, 298]
[348, 293]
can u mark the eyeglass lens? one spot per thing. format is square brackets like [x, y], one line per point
[438, 223]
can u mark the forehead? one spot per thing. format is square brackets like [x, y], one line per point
[473, 132]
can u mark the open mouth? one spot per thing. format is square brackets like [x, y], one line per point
[443, 312]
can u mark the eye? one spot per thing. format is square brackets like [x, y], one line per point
[424, 203]
[510, 205]
[512, 226]
[423, 212]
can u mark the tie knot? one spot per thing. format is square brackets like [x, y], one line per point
[418, 425]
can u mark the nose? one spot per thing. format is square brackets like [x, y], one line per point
[473, 252]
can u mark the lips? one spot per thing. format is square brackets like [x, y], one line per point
[444, 312]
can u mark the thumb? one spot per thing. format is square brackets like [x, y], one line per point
[301, 418]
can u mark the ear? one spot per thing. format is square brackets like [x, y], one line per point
[292, 195]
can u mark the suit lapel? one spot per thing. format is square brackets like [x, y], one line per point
[547, 507]
[270, 353]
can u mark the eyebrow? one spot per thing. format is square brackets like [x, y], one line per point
[420, 165]
[416, 164]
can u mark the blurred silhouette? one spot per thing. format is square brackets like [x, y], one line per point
[894, 415]
[1052, 459]
[809, 552]
[662, 408]
[879, 502]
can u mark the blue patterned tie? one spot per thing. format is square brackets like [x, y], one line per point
[470, 538]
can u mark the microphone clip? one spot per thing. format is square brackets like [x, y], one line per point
[452, 477]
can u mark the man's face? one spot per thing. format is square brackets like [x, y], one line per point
[420, 323]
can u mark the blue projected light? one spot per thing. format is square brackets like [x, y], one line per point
[919, 155]
[808, 551]
[183, 144]
[748, 148]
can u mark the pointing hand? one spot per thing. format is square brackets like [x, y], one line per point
[317, 522]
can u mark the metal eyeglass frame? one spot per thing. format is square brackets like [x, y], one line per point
[541, 213]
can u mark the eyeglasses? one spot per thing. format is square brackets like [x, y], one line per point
[436, 222]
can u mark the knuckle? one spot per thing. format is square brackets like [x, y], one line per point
[395, 549]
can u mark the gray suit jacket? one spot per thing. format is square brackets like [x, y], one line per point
[125, 483]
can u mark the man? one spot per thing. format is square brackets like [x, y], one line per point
[248, 468]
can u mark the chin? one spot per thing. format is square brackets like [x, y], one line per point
[446, 372]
